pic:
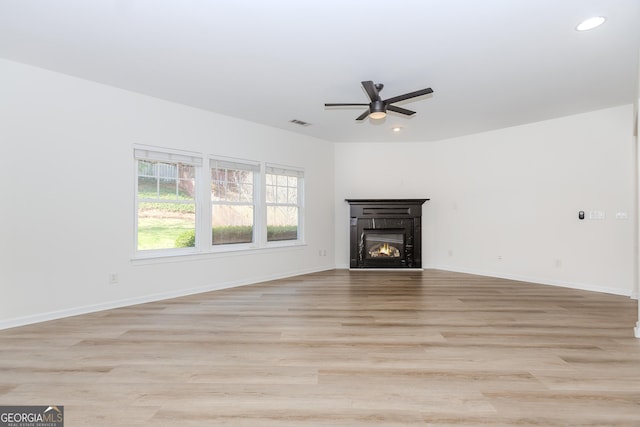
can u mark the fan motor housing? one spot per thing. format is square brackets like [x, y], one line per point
[377, 106]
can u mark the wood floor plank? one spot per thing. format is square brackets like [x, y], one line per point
[340, 348]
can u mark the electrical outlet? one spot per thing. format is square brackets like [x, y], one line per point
[113, 278]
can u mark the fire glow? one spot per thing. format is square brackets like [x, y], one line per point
[384, 250]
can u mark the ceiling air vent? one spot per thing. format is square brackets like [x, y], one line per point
[299, 122]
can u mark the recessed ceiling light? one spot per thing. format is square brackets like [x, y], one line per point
[591, 23]
[397, 129]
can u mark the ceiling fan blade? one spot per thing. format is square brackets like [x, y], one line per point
[345, 105]
[409, 95]
[363, 115]
[371, 90]
[400, 110]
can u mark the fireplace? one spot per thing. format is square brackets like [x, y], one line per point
[386, 233]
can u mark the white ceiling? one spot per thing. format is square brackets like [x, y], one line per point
[491, 63]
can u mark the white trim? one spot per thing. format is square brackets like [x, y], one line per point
[274, 169]
[396, 270]
[232, 165]
[155, 154]
[245, 165]
[59, 314]
[163, 257]
[76, 311]
[535, 280]
[204, 207]
[298, 173]
[158, 154]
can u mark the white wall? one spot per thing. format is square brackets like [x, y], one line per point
[67, 187]
[67, 196]
[505, 203]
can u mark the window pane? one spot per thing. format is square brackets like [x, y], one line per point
[281, 196]
[147, 187]
[247, 177]
[167, 188]
[146, 168]
[186, 189]
[218, 175]
[231, 193]
[246, 193]
[166, 225]
[271, 194]
[282, 223]
[187, 171]
[283, 220]
[292, 196]
[231, 185]
[217, 191]
[232, 224]
[232, 205]
[186, 184]
[236, 176]
[166, 210]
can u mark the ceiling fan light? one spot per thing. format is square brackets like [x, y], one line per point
[377, 110]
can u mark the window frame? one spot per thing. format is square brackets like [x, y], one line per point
[204, 203]
[162, 155]
[280, 170]
[255, 168]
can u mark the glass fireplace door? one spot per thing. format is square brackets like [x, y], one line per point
[383, 247]
[383, 244]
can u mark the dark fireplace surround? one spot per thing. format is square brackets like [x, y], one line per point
[385, 233]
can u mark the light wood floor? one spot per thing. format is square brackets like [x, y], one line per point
[339, 348]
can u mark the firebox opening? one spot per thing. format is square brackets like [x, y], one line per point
[384, 245]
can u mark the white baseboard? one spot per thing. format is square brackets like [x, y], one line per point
[520, 278]
[396, 270]
[537, 280]
[53, 315]
[93, 308]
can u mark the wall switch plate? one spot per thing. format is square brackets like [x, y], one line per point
[596, 215]
[622, 215]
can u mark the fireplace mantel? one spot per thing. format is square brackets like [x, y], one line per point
[418, 202]
[377, 224]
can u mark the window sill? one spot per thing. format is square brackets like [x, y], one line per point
[157, 257]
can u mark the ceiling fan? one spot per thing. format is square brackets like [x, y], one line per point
[378, 107]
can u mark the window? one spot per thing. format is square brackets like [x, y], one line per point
[233, 202]
[283, 189]
[183, 208]
[165, 200]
